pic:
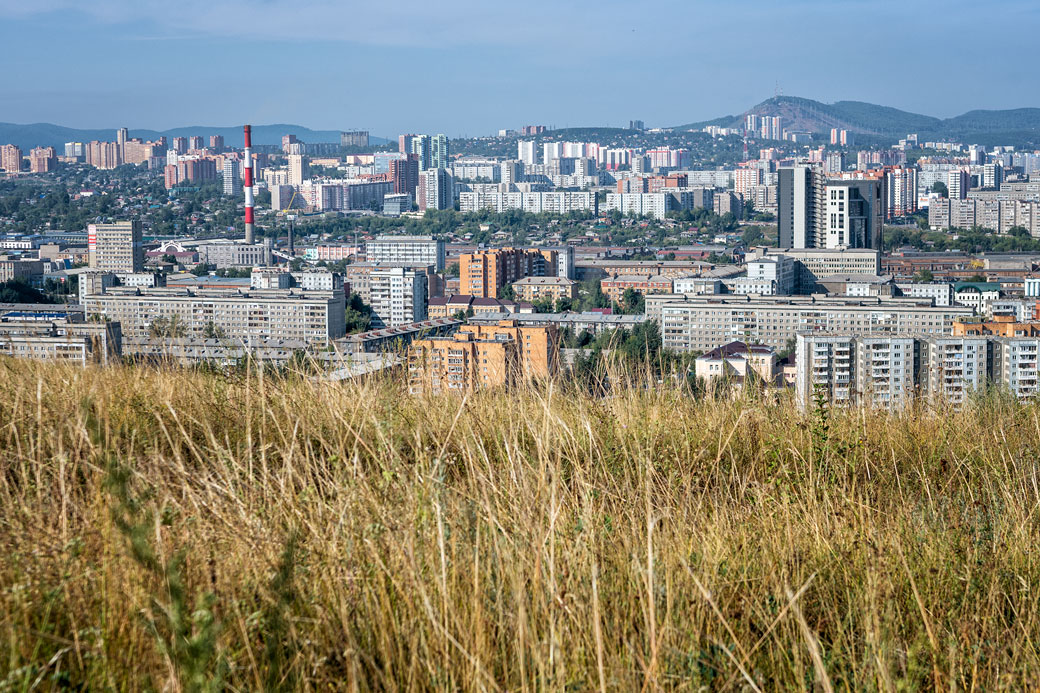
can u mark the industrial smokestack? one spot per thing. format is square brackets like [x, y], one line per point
[292, 242]
[247, 185]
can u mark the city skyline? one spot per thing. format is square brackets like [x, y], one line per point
[475, 68]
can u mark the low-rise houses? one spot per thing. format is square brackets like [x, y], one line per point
[449, 306]
[739, 362]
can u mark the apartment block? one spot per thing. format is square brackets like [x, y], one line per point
[812, 265]
[560, 202]
[485, 273]
[59, 336]
[411, 250]
[479, 356]
[538, 288]
[614, 287]
[116, 247]
[314, 317]
[398, 296]
[701, 324]
[889, 371]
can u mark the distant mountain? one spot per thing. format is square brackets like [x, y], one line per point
[883, 121]
[47, 134]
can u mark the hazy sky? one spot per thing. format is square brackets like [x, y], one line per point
[470, 67]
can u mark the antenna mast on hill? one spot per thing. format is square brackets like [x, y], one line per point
[777, 91]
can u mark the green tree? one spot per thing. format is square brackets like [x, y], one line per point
[924, 277]
[940, 187]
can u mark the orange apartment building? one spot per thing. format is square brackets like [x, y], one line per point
[482, 356]
[485, 273]
[999, 326]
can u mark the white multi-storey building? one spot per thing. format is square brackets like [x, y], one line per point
[701, 324]
[411, 250]
[534, 202]
[398, 296]
[654, 205]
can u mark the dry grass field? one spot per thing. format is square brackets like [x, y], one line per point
[183, 531]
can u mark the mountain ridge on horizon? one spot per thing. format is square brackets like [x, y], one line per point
[864, 118]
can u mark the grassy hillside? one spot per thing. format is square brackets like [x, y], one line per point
[184, 531]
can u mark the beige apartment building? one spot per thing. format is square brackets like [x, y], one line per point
[116, 247]
[536, 288]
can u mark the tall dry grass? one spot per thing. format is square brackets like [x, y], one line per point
[170, 530]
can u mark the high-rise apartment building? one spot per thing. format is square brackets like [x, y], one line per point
[353, 138]
[814, 211]
[405, 174]
[435, 190]
[404, 143]
[799, 197]
[11, 158]
[195, 142]
[216, 143]
[527, 152]
[958, 182]
[232, 176]
[485, 273]
[992, 176]
[180, 145]
[116, 247]
[439, 154]
[900, 191]
[398, 296]
[297, 169]
[422, 147]
[42, 159]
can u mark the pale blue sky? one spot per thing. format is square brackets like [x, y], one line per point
[473, 66]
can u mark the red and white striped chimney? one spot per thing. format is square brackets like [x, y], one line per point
[247, 185]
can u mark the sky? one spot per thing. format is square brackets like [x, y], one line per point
[471, 67]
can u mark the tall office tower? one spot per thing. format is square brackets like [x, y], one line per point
[216, 143]
[11, 158]
[527, 152]
[435, 190]
[992, 176]
[195, 142]
[957, 184]
[42, 159]
[232, 177]
[439, 155]
[853, 214]
[404, 143]
[116, 247]
[799, 194]
[422, 147]
[180, 145]
[297, 169]
[405, 174]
